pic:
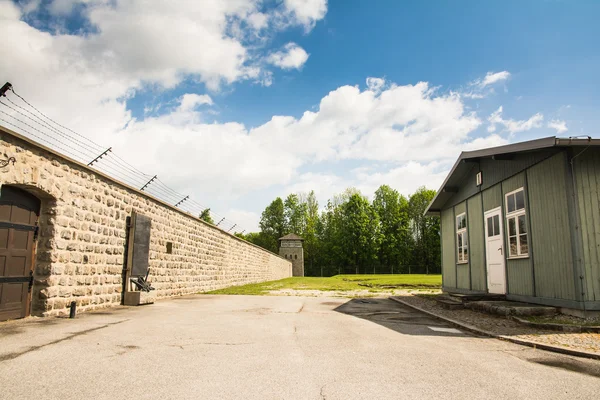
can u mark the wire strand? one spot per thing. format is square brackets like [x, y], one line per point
[110, 163]
[53, 121]
[43, 123]
[44, 133]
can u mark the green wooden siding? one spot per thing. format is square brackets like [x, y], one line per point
[477, 245]
[492, 198]
[463, 280]
[519, 272]
[550, 229]
[587, 177]
[448, 249]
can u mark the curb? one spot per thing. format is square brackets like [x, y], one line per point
[482, 332]
[558, 327]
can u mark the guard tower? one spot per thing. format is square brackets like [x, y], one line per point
[290, 247]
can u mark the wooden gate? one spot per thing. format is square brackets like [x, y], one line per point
[19, 213]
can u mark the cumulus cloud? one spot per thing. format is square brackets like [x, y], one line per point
[558, 125]
[291, 57]
[84, 81]
[514, 126]
[136, 42]
[306, 12]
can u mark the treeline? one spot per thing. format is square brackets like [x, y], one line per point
[353, 235]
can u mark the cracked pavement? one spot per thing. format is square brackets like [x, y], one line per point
[266, 347]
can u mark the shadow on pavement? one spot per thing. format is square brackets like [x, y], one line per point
[398, 317]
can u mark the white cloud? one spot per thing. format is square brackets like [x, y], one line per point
[482, 87]
[306, 12]
[291, 57]
[84, 82]
[375, 84]
[191, 100]
[512, 125]
[558, 125]
[494, 77]
[136, 42]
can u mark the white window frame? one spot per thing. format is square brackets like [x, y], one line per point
[514, 215]
[462, 252]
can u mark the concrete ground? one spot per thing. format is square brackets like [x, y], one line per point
[253, 347]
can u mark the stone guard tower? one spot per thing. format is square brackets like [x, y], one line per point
[290, 247]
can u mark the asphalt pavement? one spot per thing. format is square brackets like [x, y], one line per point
[267, 347]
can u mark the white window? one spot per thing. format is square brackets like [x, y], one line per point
[516, 220]
[461, 239]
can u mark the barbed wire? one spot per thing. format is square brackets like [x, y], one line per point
[30, 121]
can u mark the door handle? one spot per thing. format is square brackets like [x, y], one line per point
[500, 248]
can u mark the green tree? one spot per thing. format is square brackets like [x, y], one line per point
[361, 234]
[272, 224]
[392, 210]
[309, 233]
[425, 233]
[205, 216]
[295, 214]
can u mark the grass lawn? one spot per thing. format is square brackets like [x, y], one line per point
[342, 283]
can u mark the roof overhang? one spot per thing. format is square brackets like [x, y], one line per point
[466, 159]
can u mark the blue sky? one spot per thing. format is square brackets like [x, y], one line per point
[190, 91]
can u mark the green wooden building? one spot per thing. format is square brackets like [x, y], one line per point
[524, 220]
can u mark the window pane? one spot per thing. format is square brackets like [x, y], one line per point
[459, 238]
[524, 245]
[496, 224]
[490, 227]
[513, 246]
[512, 229]
[520, 200]
[522, 224]
[460, 222]
[510, 203]
[466, 256]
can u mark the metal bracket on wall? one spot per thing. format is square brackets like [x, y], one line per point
[8, 160]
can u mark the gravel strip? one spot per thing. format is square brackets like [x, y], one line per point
[589, 342]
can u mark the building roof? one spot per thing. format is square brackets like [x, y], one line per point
[460, 167]
[291, 236]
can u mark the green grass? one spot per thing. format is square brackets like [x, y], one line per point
[342, 283]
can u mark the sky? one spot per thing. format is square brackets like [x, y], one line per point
[236, 102]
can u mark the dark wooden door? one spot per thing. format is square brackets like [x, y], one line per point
[19, 213]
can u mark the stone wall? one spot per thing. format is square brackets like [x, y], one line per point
[81, 244]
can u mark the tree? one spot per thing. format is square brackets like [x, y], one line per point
[425, 232]
[311, 243]
[353, 235]
[272, 224]
[387, 206]
[295, 214]
[360, 233]
[205, 216]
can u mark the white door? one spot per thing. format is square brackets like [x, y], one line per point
[494, 251]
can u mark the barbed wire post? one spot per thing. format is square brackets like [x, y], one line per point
[100, 156]
[5, 88]
[26, 118]
[148, 183]
[182, 200]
